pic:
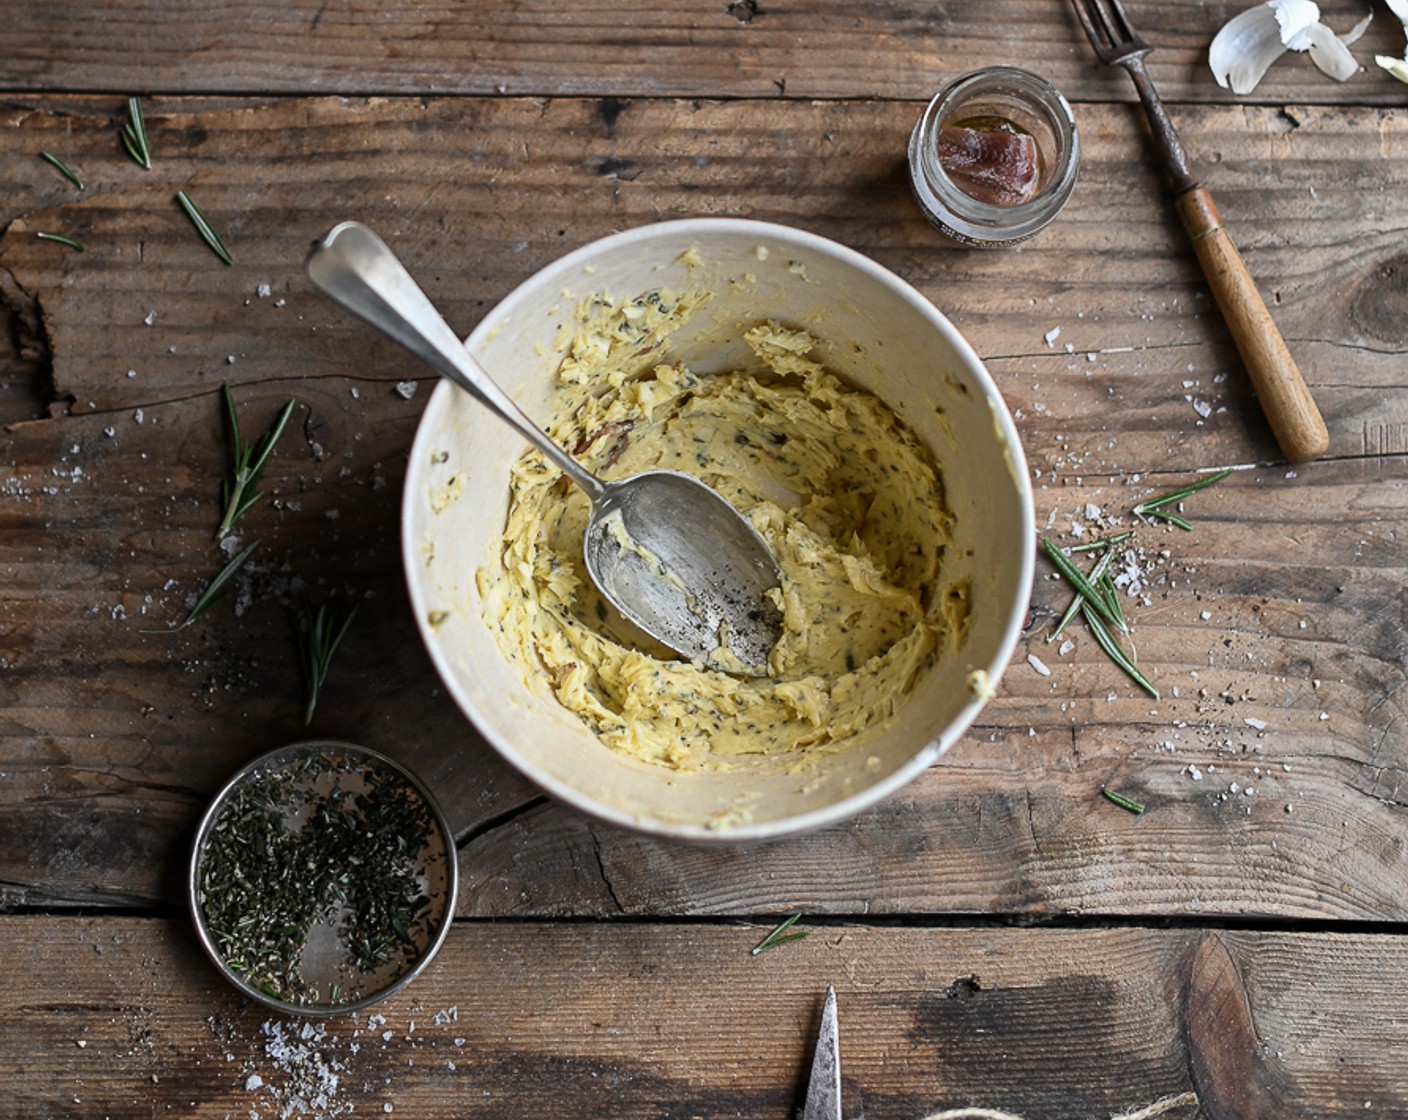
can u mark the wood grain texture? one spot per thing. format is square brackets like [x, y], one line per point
[479, 194]
[902, 49]
[113, 739]
[125, 1017]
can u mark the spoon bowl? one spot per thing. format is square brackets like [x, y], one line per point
[666, 550]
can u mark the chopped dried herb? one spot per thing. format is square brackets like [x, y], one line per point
[325, 840]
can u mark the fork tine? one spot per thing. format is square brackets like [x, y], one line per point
[1115, 21]
[1087, 26]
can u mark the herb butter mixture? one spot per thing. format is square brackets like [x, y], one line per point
[848, 499]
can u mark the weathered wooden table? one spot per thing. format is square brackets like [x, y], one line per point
[999, 934]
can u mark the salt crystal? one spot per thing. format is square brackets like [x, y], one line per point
[253, 1082]
[1195, 773]
[1255, 724]
[131, 373]
[137, 416]
[407, 389]
[264, 291]
[1036, 663]
[1052, 335]
[1066, 647]
[150, 319]
[1205, 615]
[1324, 715]
[229, 359]
[1202, 408]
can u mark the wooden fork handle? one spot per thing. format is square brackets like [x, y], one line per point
[1289, 407]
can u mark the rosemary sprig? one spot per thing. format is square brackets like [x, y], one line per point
[246, 462]
[208, 235]
[134, 134]
[780, 935]
[63, 169]
[216, 588]
[60, 239]
[1154, 507]
[1097, 575]
[1091, 594]
[1112, 649]
[1122, 801]
[320, 632]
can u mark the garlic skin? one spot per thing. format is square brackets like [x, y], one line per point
[1398, 67]
[1249, 43]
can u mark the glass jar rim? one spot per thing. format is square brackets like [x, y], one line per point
[985, 220]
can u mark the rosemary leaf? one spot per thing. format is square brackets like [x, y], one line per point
[134, 134]
[1077, 579]
[1122, 801]
[1112, 596]
[1103, 542]
[213, 590]
[319, 634]
[60, 239]
[208, 235]
[1173, 497]
[63, 169]
[1112, 649]
[239, 491]
[780, 935]
[1097, 573]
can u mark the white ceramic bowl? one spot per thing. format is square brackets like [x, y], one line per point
[878, 333]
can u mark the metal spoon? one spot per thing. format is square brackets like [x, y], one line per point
[665, 550]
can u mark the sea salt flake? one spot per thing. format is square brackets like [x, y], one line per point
[1255, 724]
[1036, 663]
[406, 389]
[1052, 335]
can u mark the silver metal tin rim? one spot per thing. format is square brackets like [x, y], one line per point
[281, 756]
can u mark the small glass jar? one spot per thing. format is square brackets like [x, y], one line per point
[994, 157]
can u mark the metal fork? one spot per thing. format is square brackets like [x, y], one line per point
[1290, 409]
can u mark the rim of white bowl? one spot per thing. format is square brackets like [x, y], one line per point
[926, 756]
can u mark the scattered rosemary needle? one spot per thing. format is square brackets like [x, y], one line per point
[208, 235]
[320, 632]
[213, 590]
[1154, 507]
[60, 239]
[1091, 594]
[1102, 543]
[63, 169]
[1112, 649]
[246, 462]
[1122, 801]
[134, 134]
[1097, 576]
[780, 935]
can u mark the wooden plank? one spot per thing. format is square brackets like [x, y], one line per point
[753, 48]
[1127, 291]
[123, 1016]
[113, 739]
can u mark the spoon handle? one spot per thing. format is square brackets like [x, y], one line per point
[354, 266]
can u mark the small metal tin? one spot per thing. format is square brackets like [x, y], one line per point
[1024, 102]
[322, 962]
